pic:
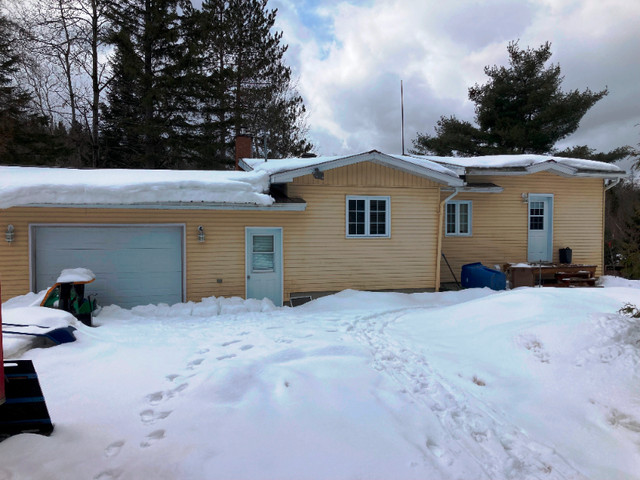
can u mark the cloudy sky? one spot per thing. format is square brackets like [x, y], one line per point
[349, 58]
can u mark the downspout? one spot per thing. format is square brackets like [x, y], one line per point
[440, 235]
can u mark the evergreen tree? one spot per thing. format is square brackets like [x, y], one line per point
[243, 85]
[144, 118]
[522, 109]
[583, 151]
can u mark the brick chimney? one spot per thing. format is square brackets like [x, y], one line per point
[244, 148]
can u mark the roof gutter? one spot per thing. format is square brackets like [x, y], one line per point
[613, 184]
[440, 235]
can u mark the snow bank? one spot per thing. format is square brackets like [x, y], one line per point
[206, 308]
[33, 185]
[610, 281]
[35, 320]
[528, 384]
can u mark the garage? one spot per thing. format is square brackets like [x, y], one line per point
[133, 264]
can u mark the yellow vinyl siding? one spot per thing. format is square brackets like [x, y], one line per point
[317, 256]
[499, 230]
[366, 173]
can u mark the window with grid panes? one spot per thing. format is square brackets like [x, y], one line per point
[368, 216]
[458, 218]
[536, 215]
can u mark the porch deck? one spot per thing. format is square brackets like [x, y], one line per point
[550, 275]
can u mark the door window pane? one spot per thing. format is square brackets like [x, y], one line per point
[263, 258]
[536, 215]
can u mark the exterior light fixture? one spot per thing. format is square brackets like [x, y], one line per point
[200, 233]
[317, 174]
[525, 198]
[10, 233]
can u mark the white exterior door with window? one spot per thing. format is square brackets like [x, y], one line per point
[540, 218]
[264, 263]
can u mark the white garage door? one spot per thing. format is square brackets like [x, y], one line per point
[134, 265]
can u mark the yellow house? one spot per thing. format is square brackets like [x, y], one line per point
[293, 227]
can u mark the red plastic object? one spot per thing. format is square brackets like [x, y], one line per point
[1, 356]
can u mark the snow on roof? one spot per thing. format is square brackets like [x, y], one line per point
[527, 162]
[302, 165]
[273, 166]
[64, 186]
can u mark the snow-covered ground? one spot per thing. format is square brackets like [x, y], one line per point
[529, 383]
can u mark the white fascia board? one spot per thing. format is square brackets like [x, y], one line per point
[244, 165]
[375, 157]
[471, 189]
[281, 207]
[551, 166]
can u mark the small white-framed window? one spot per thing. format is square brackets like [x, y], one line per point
[458, 218]
[368, 216]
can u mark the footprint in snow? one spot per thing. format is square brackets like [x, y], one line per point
[226, 344]
[224, 357]
[152, 438]
[177, 390]
[108, 475]
[155, 398]
[244, 348]
[202, 351]
[172, 377]
[149, 416]
[114, 449]
[194, 363]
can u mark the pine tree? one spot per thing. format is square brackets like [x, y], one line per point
[144, 116]
[521, 109]
[243, 85]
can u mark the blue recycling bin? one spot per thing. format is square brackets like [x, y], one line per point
[476, 275]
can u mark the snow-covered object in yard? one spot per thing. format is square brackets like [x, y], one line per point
[65, 186]
[76, 275]
[33, 320]
[303, 166]
[527, 163]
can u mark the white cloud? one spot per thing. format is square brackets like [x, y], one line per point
[351, 57]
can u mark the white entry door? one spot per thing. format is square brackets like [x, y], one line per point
[264, 263]
[540, 228]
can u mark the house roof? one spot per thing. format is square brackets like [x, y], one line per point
[20, 186]
[286, 169]
[527, 164]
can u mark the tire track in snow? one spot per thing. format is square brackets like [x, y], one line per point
[479, 432]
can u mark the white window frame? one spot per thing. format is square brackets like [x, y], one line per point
[367, 226]
[457, 204]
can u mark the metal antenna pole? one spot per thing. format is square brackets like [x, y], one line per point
[402, 113]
